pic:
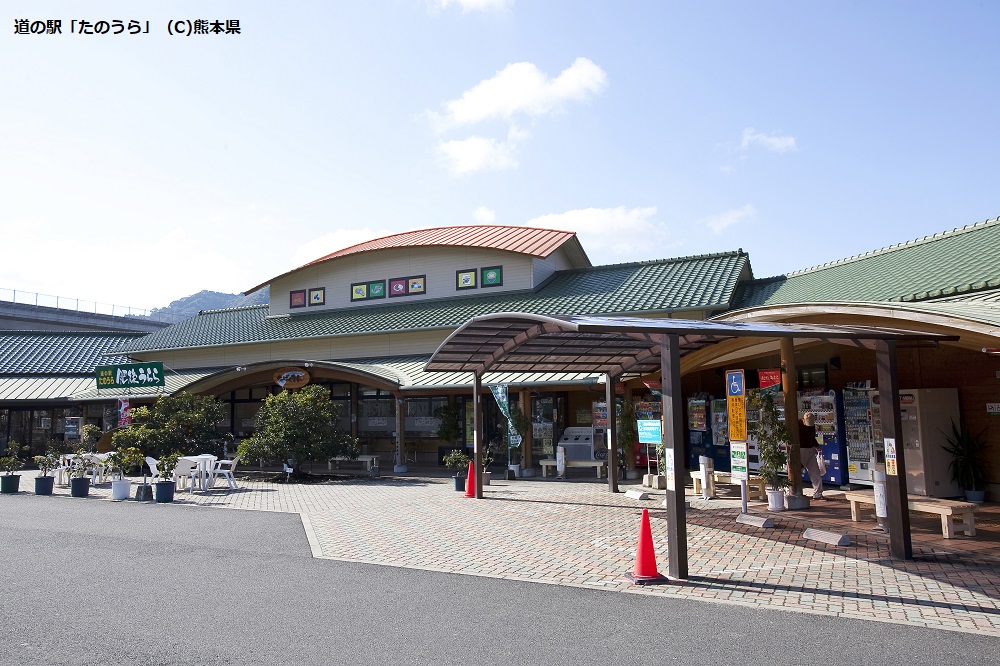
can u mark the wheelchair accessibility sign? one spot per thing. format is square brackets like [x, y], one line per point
[736, 405]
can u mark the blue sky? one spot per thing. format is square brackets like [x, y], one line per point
[137, 169]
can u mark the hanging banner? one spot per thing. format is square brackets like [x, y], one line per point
[500, 393]
[124, 415]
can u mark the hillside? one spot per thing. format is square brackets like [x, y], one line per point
[189, 306]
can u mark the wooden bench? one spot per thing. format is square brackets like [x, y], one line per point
[947, 509]
[366, 460]
[755, 484]
[601, 465]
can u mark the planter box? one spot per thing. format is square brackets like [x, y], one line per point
[164, 491]
[120, 489]
[79, 486]
[9, 483]
[44, 484]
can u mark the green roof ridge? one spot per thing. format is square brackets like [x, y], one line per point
[898, 246]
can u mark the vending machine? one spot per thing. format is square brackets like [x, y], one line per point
[925, 417]
[708, 432]
[864, 450]
[829, 421]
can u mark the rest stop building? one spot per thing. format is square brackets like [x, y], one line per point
[364, 322]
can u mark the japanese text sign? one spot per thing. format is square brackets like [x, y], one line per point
[130, 375]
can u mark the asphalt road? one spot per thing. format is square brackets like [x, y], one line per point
[85, 581]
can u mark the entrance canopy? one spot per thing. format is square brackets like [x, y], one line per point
[519, 342]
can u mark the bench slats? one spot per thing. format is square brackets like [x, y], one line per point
[946, 508]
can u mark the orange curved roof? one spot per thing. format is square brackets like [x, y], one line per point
[524, 240]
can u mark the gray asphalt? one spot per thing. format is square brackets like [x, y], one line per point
[94, 582]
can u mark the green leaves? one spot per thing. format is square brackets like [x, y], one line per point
[300, 426]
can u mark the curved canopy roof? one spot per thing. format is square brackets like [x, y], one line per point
[518, 342]
[522, 240]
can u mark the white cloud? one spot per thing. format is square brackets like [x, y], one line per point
[719, 223]
[474, 5]
[484, 215]
[478, 153]
[773, 142]
[613, 235]
[522, 88]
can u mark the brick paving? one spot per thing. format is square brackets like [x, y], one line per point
[577, 533]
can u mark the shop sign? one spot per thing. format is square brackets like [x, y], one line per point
[291, 378]
[130, 375]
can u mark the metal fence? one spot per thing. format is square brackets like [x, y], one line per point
[79, 305]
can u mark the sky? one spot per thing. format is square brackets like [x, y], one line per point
[136, 169]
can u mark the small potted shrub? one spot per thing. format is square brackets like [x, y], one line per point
[119, 460]
[164, 488]
[46, 463]
[79, 482]
[11, 462]
[770, 434]
[966, 464]
[458, 461]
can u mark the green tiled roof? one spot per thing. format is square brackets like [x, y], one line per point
[58, 352]
[958, 262]
[705, 282]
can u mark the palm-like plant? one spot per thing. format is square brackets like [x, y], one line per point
[966, 451]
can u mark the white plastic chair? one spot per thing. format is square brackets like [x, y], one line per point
[224, 468]
[287, 470]
[153, 470]
[185, 474]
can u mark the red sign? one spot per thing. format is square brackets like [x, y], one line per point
[769, 378]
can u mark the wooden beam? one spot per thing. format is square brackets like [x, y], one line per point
[612, 431]
[789, 386]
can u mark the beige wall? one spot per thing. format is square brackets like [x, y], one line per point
[438, 264]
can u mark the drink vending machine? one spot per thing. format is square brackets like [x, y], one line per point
[861, 422]
[708, 432]
[829, 422]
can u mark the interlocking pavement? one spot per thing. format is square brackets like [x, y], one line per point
[577, 533]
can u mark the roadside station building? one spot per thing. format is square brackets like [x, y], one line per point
[364, 322]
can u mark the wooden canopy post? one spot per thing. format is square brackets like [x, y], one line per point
[672, 433]
[611, 432]
[897, 505]
[789, 384]
[529, 438]
[400, 465]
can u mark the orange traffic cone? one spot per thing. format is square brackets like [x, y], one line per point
[645, 572]
[470, 481]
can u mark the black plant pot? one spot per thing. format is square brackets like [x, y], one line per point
[43, 485]
[459, 483]
[164, 491]
[143, 492]
[9, 483]
[79, 486]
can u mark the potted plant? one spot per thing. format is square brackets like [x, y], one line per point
[89, 434]
[966, 464]
[44, 481]
[772, 441]
[458, 461]
[79, 482]
[10, 463]
[120, 460]
[626, 436]
[164, 488]
[522, 426]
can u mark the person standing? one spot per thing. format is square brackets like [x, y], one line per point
[807, 453]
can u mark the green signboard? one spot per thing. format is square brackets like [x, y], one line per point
[130, 375]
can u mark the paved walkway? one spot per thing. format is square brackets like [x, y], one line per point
[577, 533]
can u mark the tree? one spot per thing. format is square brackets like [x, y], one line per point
[298, 426]
[180, 422]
